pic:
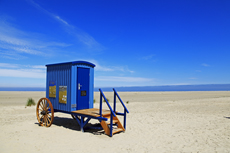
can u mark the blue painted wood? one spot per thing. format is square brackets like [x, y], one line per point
[118, 113]
[73, 88]
[100, 104]
[81, 121]
[124, 125]
[107, 102]
[125, 109]
[65, 74]
[88, 119]
[91, 84]
[82, 86]
[111, 125]
[47, 85]
[61, 75]
[91, 88]
[74, 63]
[120, 100]
[114, 102]
[78, 120]
[81, 125]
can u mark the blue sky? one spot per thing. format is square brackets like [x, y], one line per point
[132, 43]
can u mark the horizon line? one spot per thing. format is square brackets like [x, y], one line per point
[131, 86]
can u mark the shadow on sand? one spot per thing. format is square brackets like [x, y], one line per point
[72, 124]
[227, 117]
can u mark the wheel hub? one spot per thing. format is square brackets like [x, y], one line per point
[43, 112]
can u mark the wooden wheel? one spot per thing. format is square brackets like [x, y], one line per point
[45, 112]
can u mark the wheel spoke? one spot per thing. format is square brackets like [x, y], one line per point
[45, 105]
[48, 120]
[44, 102]
[40, 105]
[42, 117]
[43, 120]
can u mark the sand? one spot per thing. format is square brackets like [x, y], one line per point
[157, 122]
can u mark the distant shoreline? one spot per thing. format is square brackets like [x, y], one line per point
[207, 87]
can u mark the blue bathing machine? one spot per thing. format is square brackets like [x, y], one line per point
[70, 85]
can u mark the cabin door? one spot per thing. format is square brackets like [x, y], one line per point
[82, 88]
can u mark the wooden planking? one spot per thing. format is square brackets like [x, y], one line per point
[95, 112]
[117, 130]
[92, 112]
[105, 127]
[114, 122]
[119, 125]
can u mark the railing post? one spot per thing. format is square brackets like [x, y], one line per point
[125, 119]
[111, 125]
[100, 104]
[82, 122]
[114, 105]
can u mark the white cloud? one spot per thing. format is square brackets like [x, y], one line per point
[61, 20]
[82, 36]
[10, 55]
[123, 79]
[100, 67]
[38, 66]
[7, 65]
[16, 44]
[87, 40]
[24, 71]
[58, 18]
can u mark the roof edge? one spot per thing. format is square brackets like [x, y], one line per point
[74, 63]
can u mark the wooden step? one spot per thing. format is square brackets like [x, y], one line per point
[114, 122]
[106, 115]
[117, 130]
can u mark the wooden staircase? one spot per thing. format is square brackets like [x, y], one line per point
[112, 125]
[116, 125]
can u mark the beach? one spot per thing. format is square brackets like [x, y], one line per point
[197, 121]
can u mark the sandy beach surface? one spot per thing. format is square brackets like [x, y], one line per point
[157, 122]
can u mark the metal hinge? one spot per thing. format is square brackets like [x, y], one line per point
[73, 106]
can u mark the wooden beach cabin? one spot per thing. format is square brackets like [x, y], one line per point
[70, 89]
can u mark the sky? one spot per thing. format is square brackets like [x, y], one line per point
[132, 43]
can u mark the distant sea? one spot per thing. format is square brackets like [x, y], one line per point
[206, 87]
[22, 89]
